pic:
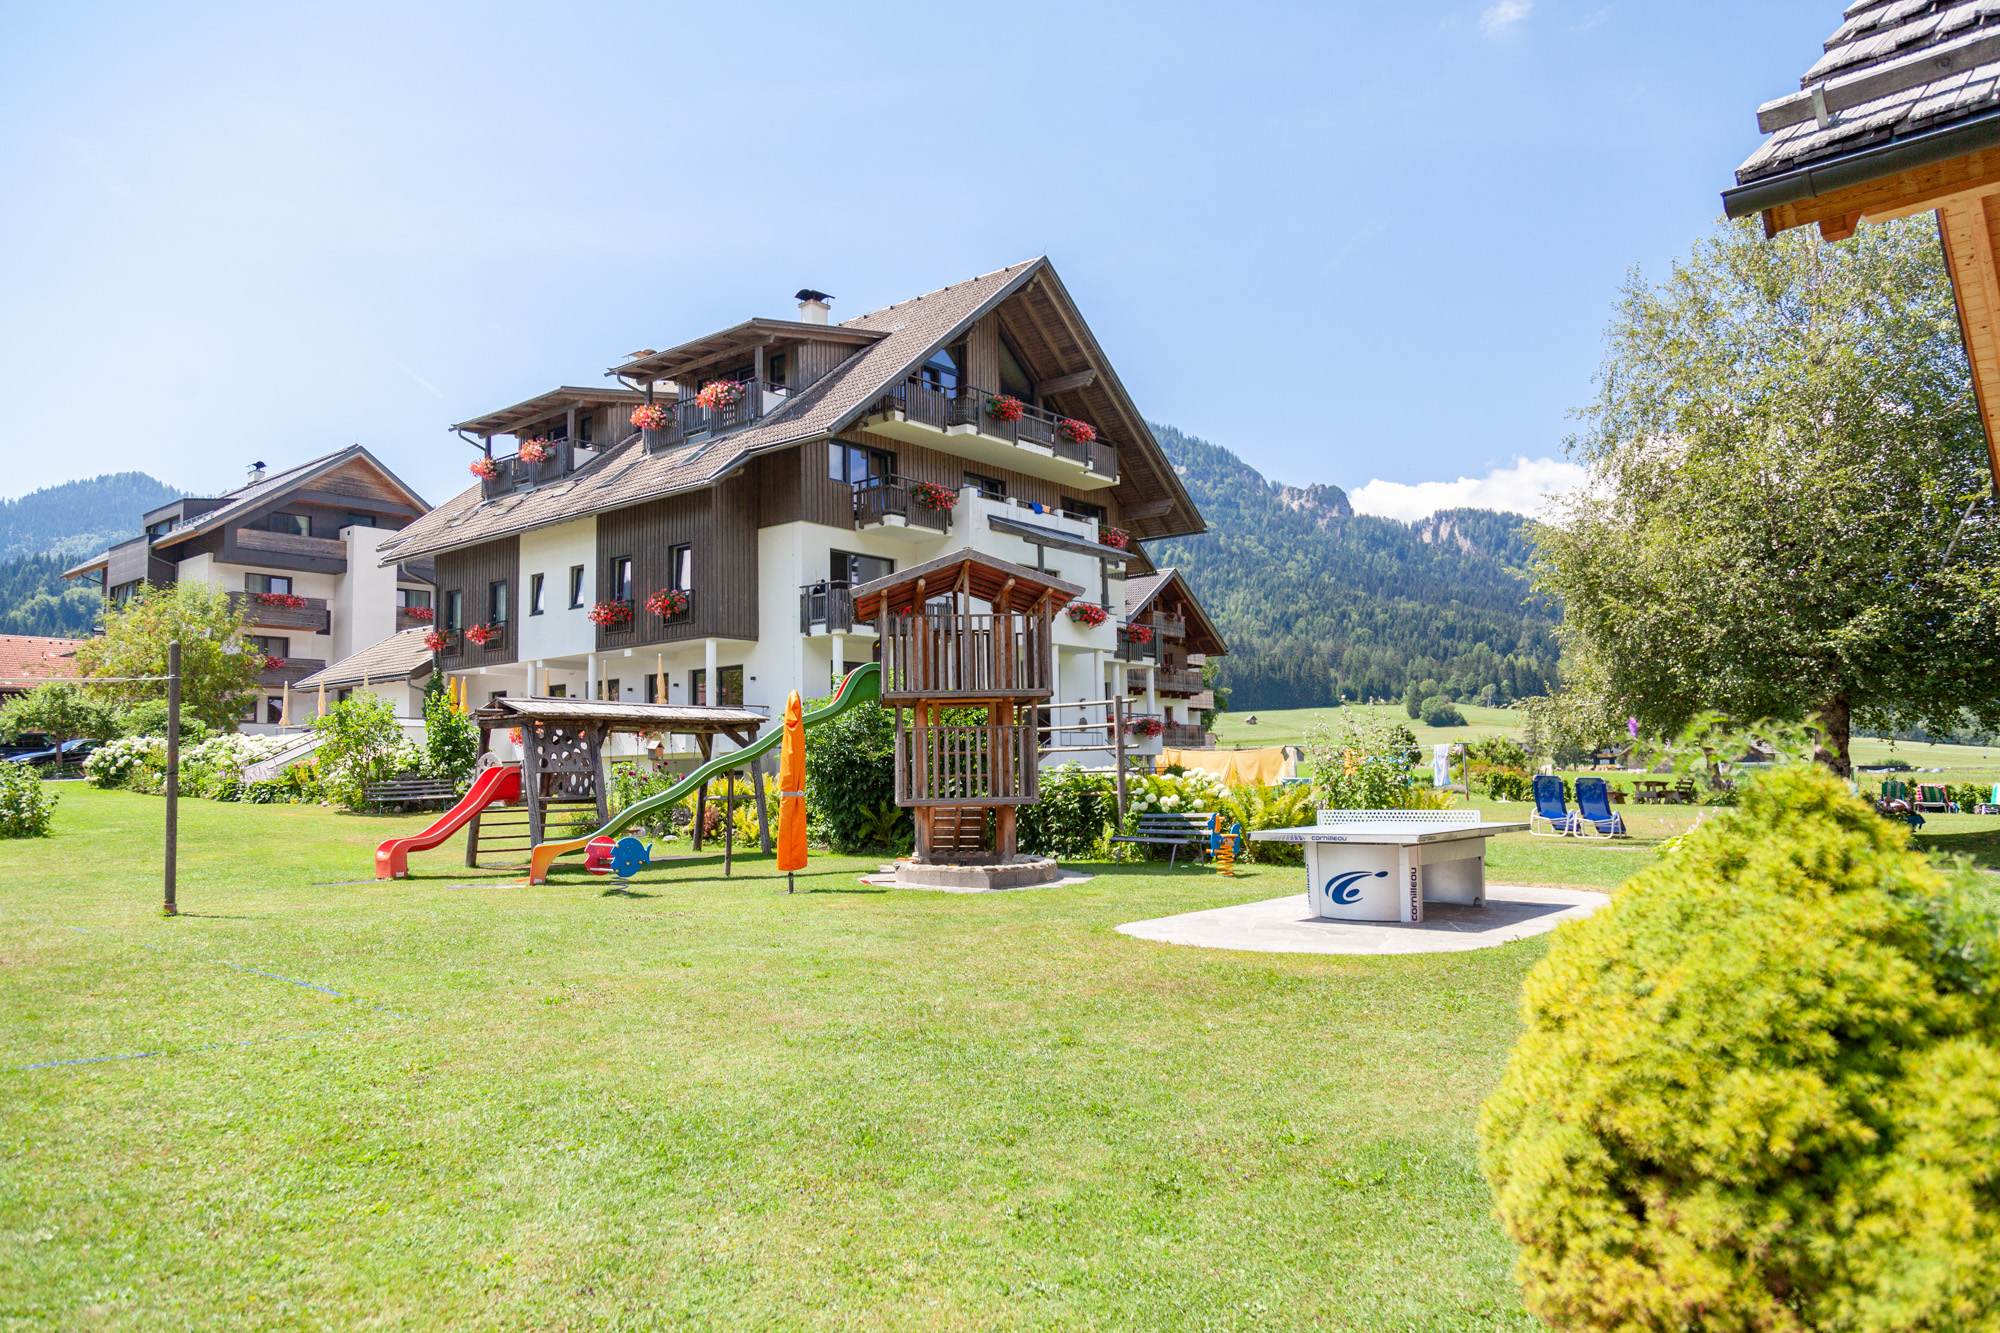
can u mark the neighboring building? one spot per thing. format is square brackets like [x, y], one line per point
[298, 551]
[397, 668]
[1166, 668]
[745, 522]
[27, 660]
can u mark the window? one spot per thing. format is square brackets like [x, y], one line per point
[270, 645]
[558, 691]
[535, 606]
[575, 586]
[851, 569]
[354, 520]
[680, 567]
[454, 610]
[1014, 377]
[942, 372]
[774, 368]
[298, 525]
[608, 689]
[278, 583]
[1082, 508]
[991, 487]
[274, 708]
[408, 597]
[583, 428]
[496, 602]
[621, 578]
[652, 688]
[122, 594]
[853, 464]
[698, 687]
[161, 528]
[729, 681]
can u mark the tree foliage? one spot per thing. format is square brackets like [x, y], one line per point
[79, 517]
[62, 711]
[451, 741]
[1784, 515]
[36, 599]
[851, 781]
[218, 678]
[1761, 1089]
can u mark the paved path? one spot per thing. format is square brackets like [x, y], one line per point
[1281, 925]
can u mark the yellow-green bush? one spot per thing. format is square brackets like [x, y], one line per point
[1761, 1089]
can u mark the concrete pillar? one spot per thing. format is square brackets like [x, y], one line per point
[839, 655]
[590, 676]
[1152, 690]
[709, 661]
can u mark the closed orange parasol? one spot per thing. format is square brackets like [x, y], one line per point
[792, 791]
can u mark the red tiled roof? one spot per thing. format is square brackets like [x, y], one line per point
[30, 657]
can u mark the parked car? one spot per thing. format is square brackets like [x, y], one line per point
[26, 743]
[73, 752]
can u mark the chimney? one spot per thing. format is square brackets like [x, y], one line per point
[813, 308]
[256, 473]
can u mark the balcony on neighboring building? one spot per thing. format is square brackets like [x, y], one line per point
[270, 610]
[1133, 649]
[688, 420]
[1178, 682]
[1035, 441]
[1180, 736]
[288, 671]
[515, 473]
[414, 617]
[257, 547]
[889, 505]
[827, 607]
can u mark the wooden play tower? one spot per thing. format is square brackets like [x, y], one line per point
[968, 653]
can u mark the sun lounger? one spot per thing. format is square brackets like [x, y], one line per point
[1594, 813]
[1551, 809]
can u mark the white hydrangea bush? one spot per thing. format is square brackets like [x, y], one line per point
[114, 763]
[1191, 793]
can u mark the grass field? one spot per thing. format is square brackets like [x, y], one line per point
[458, 1102]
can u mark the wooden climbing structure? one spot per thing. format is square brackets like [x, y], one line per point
[968, 654]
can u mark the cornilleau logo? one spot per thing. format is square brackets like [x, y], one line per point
[1341, 887]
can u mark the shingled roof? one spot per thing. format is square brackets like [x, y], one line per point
[911, 331]
[1902, 84]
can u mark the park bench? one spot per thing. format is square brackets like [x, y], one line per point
[1173, 832]
[405, 791]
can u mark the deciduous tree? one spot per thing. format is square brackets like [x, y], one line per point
[218, 677]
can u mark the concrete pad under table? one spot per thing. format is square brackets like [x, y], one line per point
[1287, 925]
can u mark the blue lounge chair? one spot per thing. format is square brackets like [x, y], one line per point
[1593, 806]
[1551, 809]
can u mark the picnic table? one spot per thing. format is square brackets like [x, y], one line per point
[1384, 865]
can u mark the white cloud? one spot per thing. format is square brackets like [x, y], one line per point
[1504, 16]
[1519, 489]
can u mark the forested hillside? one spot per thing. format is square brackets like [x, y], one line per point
[1320, 603]
[36, 599]
[79, 518]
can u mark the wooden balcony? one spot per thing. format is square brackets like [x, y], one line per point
[827, 606]
[948, 656]
[516, 473]
[886, 504]
[405, 620]
[1178, 682]
[1173, 627]
[982, 764]
[689, 420]
[1034, 444]
[1131, 650]
[292, 672]
[312, 617]
[1182, 737]
[284, 550]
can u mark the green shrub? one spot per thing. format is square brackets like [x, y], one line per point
[1256, 807]
[1076, 812]
[1438, 711]
[850, 778]
[362, 743]
[1761, 1089]
[150, 719]
[451, 741]
[27, 804]
[1360, 761]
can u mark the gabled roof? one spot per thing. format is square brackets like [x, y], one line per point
[401, 656]
[906, 334]
[1141, 593]
[736, 341]
[1901, 84]
[985, 577]
[544, 405]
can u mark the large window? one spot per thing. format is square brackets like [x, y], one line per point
[298, 525]
[575, 586]
[853, 464]
[496, 602]
[535, 606]
[945, 370]
[621, 578]
[454, 610]
[851, 569]
[1082, 508]
[354, 520]
[409, 597]
[680, 567]
[270, 645]
[993, 488]
[729, 687]
[277, 583]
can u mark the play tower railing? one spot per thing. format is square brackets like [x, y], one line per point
[939, 654]
[987, 763]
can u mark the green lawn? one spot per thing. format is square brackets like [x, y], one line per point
[1288, 726]
[708, 1104]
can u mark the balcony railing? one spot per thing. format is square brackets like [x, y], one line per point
[405, 619]
[312, 616]
[292, 672]
[990, 656]
[1131, 650]
[1178, 682]
[881, 496]
[687, 418]
[989, 764]
[943, 409]
[496, 641]
[1174, 627]
[829, 604]
[1182, 737]
[516, 473]
[664, 623]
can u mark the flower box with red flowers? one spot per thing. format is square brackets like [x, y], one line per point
[930, 495]
[287, 600]
[485, 469]
[419, 612]
[1088, 614]
[720, 395]
[437, 641]
[611, 614]
[1077, 432]
[1116, 538]
[485, 634]
[536, 451]
[1004, 407]
[1148, 727]
[649, 416]
[668, 602]
[1139, 633]
[274, 664]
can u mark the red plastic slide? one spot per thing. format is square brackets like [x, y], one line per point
[492, 787]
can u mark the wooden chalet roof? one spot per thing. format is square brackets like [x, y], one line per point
[1141, 593]
[688, 719]
[1900, 84]
[544, 405]
[999, 583]
[401, 656]
[1044, 324]
[733, 343]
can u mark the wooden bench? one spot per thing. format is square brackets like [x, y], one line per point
[402, 792]
[1173, 832]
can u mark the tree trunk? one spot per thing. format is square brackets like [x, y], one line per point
[1837, 718]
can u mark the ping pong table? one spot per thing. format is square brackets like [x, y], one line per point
[1384, 865]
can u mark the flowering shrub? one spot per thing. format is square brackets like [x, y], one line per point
[930, 495]
[668, 602]
[536, 451]
[1146, 727]
[608, 614]
[1003, 407]
[214, 768]
[361, 742]
[437, 641]
[113, 763]
[720, 395]
[1088, 614]
[1116, 538]
[27, 804]
[1077, 432]
[1193, 793]
[1139, 633]
[284, 599]
[419, 612]
[483, 634]
[649, 416]
[485, 469]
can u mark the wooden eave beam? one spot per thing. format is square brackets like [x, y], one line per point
[1966, 226]
[1900, 195]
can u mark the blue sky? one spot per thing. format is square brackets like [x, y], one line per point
[1355, 242]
